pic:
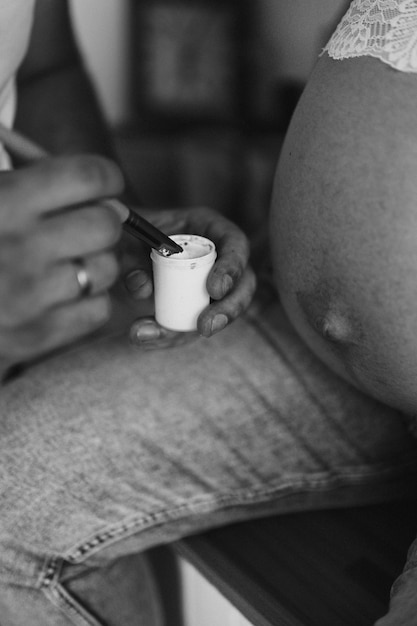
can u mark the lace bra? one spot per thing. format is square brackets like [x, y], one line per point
[385, 29]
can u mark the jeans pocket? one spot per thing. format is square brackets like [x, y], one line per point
[123, 591]
[72, 611]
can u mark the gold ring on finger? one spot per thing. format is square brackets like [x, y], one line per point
[83, 278]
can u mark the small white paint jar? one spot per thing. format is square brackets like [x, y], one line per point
[180, 280]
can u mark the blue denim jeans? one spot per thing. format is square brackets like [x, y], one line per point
[106, 451]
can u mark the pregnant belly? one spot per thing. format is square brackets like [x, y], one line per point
[344, 225]
[350, 293]
[315, 296]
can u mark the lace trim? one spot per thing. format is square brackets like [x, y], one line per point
[385, 29]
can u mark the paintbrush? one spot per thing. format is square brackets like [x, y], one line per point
[28, 151]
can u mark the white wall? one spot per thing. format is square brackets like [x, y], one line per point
[203, 605]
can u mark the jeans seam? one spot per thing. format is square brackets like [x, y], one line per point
[51, 571]
[90, 546]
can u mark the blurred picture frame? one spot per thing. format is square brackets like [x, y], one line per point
[187, 60]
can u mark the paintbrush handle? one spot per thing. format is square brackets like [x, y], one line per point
[28, 151]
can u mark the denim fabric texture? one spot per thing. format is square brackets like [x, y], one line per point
[107, 451]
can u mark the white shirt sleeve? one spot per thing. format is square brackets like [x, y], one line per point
[385, 29]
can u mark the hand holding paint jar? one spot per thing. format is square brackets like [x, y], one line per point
[180, 282]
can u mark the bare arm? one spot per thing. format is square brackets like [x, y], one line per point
[344, 225]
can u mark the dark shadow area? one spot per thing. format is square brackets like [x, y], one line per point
[165, 567]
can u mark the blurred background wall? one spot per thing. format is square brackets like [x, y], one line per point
[290, 35]
[184, 135]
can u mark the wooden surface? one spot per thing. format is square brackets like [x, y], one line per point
[324, 568]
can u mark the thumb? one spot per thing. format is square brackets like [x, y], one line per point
[139, 284]
[147, 334]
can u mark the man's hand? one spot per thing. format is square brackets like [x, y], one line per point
[49, 217]
[231, 283]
